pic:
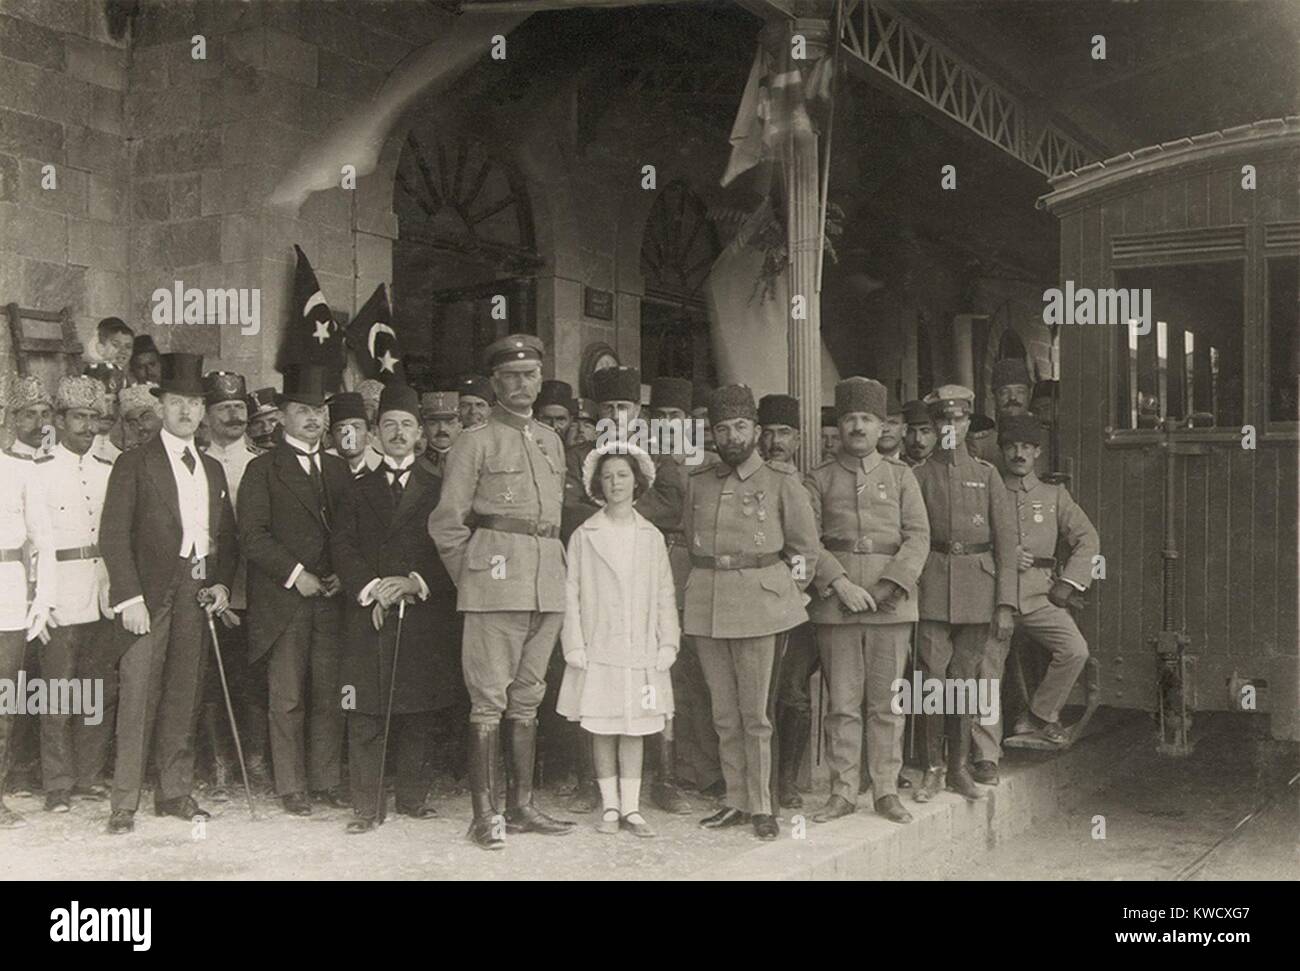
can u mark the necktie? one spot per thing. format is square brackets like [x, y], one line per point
[313, 473]
[395, 482]
[187, 459]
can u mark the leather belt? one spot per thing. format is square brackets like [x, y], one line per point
[90, 552]
[1046, 562]
[860, 545]
[735, 561]
[961, 549]
[509, 524]
[9, 556]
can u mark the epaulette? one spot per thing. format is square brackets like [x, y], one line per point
[985, 462]
[778, 466]
[38, 459]
[100, 458]
[701, 468]
[253, 449]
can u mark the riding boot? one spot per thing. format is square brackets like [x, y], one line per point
[9, 819]
[959, 777]
[521, 815]
[664, 793]
[930, 734]
[211, 717]
[487, 828]
[793, 733]
[586, 795]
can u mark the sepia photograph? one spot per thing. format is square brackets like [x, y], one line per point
[746, 441]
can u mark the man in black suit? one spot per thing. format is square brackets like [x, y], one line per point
[286, 511]
[167, 536]
[384, 555]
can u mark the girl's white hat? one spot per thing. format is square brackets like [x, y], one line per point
[615, 448]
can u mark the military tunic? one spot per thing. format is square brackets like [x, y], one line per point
[871, 516]
[753, 543]
[74, 752]
[497, 531]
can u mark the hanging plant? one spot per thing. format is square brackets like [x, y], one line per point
[768, 235]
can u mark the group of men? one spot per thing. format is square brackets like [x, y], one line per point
[357, 589]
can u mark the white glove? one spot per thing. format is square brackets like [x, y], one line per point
[578, 659]
[665, 659]
[38, 624]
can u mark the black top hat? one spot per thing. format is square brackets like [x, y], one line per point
[181, 374]
[303, 383]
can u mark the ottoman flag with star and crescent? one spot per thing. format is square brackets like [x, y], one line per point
[373, 340]
[315, 336]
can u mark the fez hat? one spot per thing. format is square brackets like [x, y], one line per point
[555, 393]
[181, 374]
[439, 404]
[476, 385]
[666, 392]
[513, 349]
[915, 412]
[981, 423]
[219, 386]
[1010, 370]
[778, 409]
[303, 383]
[346, 405]
[732, 401]
[399, 397]
[621, 383]
[1020, 428]
[143, 344]
[828, 417]
[860, 394]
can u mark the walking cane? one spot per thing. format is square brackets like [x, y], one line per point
[230, 713]
[380, 801]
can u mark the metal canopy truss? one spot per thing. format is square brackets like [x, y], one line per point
[881, 38]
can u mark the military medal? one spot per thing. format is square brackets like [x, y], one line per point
[758, 538]
[978, 519]
[508, 496]
[1038, 512]
[880, 489]
[762, 515]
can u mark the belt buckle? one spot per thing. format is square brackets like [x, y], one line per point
[862, 545]
[723, 562]
[956, 549]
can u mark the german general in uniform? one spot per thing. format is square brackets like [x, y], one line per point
[753, 539]
[385, 557]
[498, 531]
[73, 482]
[168, 539]
[876, 534]
[286, 510]
[968, 587]
[1047, 517]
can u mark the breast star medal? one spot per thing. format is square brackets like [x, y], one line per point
[508, 496]
[978, 519]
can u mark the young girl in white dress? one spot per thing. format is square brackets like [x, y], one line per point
[620, 632]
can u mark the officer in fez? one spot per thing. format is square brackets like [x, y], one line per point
[168, 539]
[753, 539]
[830, 431]
[874, 528]
[476, 398]
[498, 531]
[968, 586]
[779, 441]
[1045, 515]
[286, 514]
[384, 557]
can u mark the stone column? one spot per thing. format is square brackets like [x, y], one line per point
[803, 233]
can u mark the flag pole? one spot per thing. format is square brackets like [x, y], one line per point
[826, 149]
